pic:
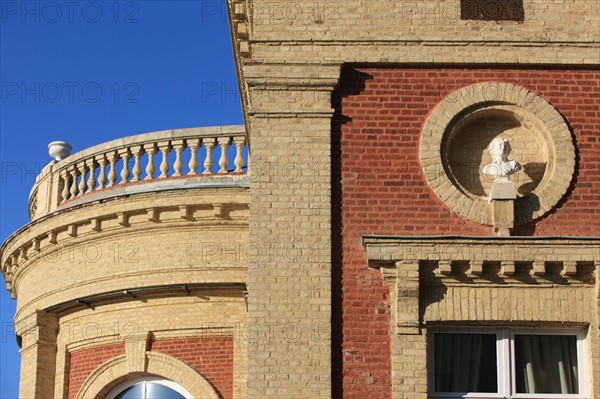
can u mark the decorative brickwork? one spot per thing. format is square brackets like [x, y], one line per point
[210, 356]
[110, 374]
[165, 257]
[380, 115]
[454, 144]
[81, 363]
[479, 282]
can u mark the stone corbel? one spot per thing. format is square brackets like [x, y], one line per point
[72, 230]
[185, 212]
[569, 269]
[153, 215]
[52, 237]
[96, 225]
[123, 219]
[218, 210]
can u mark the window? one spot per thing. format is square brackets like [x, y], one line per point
[507, 363]
[492, 10]
[149, 388]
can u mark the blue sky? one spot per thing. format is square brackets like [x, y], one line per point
[91, 71]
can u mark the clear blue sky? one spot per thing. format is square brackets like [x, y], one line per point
[91, 71]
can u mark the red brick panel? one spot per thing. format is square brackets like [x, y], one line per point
[83, 362]
[376, 135]
[210, 356]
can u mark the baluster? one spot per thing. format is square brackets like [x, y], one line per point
[137, 168]
[82, 183]
[224, 143]
[150, 150]
[125, 154]
[178, 165]
[91, 183]
[165, 148]
[65, 189]
[101, 159]
[248, 162]
[208, 162]
[193, 145]
[112, 174]
[239, 143]
[73, 190]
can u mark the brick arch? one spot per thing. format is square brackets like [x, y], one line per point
[113, 372]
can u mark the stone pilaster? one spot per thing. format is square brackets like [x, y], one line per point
[403, 282]
[289, 276]
[38, 355]
[407, 315]
[594, 337]
[408, 345]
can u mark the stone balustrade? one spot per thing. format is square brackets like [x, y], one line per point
[145, 158]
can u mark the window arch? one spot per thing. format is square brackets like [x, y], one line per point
[149, 388]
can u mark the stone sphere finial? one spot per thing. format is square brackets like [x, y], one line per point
[59, 150]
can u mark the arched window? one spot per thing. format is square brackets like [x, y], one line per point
[149, 388]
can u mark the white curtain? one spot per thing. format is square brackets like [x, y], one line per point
[546, 364]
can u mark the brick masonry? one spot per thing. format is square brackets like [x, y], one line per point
[210, 356]
[81, 363]
[380, 113]
[288, 58]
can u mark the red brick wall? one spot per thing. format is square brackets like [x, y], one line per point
[83, 362]
[210, 356]
[380, 114]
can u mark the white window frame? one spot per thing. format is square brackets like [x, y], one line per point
[505, 357]
[157, 380]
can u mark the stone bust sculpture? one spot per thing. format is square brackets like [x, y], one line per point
[500, 167]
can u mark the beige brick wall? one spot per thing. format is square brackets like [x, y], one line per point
[408, 31]
[291, 288]
[406, 20]
[171, 249]
[206, 312]
[195, 238]
[290, 219]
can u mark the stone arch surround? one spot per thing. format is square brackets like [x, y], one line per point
[541, 140]
[113, 372]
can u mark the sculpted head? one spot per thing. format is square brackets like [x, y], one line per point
[499, 149]
[500, 167]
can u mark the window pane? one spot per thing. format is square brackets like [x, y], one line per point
[546, 364]
[134, 392]
[157, 391]
[465, 363]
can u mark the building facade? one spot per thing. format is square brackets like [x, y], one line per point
[420, 218]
